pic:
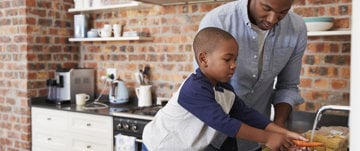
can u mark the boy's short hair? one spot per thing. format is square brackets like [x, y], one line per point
[207, 39]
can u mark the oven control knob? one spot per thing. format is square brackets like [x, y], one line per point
[126, 126]
[133, 128]
[118, 126]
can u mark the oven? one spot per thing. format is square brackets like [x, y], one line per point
[131, 122]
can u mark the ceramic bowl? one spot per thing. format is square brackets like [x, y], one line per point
[319, 23]
[93, 33]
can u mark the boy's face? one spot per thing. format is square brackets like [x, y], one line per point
[220, 64]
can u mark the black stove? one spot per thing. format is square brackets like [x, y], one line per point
[131, 121]
[144, 111]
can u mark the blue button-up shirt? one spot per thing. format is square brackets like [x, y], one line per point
[282, 56]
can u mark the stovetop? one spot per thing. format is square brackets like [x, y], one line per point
[146, 113]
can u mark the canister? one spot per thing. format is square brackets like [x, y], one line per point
[80, 26]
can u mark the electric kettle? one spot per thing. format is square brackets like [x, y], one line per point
[118, 92]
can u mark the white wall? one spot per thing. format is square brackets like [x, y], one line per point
[355, 77]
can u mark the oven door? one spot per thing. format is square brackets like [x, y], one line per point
[128, 130]
[127, 143]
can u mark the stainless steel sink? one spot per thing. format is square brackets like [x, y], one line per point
[302, 121]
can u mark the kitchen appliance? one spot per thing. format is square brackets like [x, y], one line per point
[131, 121]
[118, 92]
[73, 81]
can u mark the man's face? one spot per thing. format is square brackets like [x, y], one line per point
[267, 13]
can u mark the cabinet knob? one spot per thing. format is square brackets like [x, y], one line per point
[88, 146]
[88, 124]
[49, 118]
[49, 139]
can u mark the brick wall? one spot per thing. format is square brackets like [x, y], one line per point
[325, 75]
[33, 44]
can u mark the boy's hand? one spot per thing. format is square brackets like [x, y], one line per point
[275, 141]
[290, 136]
[280, 142]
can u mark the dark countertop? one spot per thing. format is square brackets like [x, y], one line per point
[42, 102]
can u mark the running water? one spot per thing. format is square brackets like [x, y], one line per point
[319, 114]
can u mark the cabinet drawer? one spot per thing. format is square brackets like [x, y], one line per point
[82, 143]
[49, 119]
[95, 125]
[51, 141]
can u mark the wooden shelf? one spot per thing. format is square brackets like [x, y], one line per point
[330, 33]
[180, 2]
[105, 7]
[110, 39]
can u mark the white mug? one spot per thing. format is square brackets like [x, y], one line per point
[104, 32]
[86, 3]
[117, 30]
[143, 92]
[81, 98]
[79, 4]
[96, 3]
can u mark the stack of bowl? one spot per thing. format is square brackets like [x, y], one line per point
[319, 23]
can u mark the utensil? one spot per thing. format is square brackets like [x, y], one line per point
[139, 77]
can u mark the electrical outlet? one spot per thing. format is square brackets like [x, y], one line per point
[110, 71]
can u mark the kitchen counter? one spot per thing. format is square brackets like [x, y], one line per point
[42, 102]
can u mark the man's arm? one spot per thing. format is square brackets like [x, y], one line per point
[282, 112]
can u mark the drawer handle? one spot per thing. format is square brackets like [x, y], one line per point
[88, 146]
[88, 124]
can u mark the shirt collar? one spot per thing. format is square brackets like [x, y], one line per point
[199, 75]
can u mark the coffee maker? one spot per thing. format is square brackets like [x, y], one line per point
[69, 82]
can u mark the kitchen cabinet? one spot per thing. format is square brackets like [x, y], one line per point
[64, 130]
[129, 5]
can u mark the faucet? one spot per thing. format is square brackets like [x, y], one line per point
[324, 108]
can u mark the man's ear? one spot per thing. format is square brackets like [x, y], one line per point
[203, 59]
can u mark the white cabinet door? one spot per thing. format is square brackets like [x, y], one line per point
[50, 141]
[49, 119]
[87, 143]
[93, 125]
[55, 130]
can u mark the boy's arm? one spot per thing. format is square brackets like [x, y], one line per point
[273, 136]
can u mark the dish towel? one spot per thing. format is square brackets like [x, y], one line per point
[125, 143]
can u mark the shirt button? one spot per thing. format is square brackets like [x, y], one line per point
[254, 76]
[253, 37]
[252, 91]
[255, 56]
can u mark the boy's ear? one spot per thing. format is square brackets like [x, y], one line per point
[203, 59]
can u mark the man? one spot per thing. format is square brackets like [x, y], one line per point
[273, 41]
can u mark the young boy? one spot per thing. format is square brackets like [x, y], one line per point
[206, 105]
